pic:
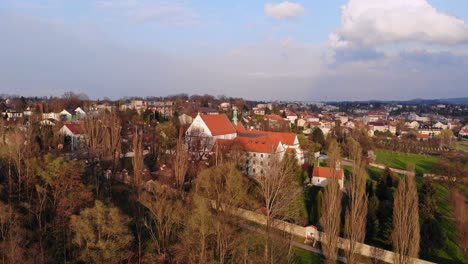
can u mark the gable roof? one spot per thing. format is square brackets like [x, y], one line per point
[260, 144]
[285, 137]
[325, 172]
[239, 127]
[218, 124]
[75, 128]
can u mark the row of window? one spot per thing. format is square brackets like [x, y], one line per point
[255, 155]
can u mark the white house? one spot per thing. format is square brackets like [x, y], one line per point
[463, 131]
[291, 117]
[258, 146]
[80, 113]
[321, 176]
[51, 115]
[414, 124]
[440, 125]
[65, 115]
[75, 132]
[205, 129]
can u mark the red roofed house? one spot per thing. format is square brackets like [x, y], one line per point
[322, 175]
[422, 137]
[74, 132]
[463, 131]
[206, 129]
[258, 146]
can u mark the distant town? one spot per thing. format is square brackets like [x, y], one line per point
[215, 179]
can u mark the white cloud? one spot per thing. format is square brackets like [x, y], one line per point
[284, 10]
[371, 23]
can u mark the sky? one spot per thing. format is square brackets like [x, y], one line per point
[310, 50]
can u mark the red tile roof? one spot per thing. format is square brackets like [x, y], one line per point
[218, 124]
[284, 137]
[325, 172]
[75, 128]
[239, 127]
[261, 144]
[422, 136]
[275, 117]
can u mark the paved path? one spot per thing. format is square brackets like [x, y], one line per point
[375, 165]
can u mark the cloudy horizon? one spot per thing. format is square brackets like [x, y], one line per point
[264, 50]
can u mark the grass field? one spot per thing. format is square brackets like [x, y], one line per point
[452, 252]
[307, 257]
[462, 145]
[423, 163]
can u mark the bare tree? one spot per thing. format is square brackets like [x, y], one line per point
[113, 137]
[225, 186]
[165, 216]
[356, 213]
[181, 163]
[137, 161]
[278, 190]
[95, 134]
[138, 166]
[331, 207]
[461, 218]
[405, 235]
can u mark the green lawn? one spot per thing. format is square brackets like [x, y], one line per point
[423, 163]
[306, 257]
[462, 145]
[452, 252]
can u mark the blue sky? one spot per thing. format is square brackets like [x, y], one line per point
[298, 50]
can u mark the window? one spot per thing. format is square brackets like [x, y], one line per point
[261, 163]
[261, 155]
[255, 154]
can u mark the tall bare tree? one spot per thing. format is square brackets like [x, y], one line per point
[138, 167]
[95, 135]
[166, 214]
[181, 163]
[278, 189]
[356, 213]
[331, 206]
[225, 186]
[113, 137]
[405, 235]
[137, 161]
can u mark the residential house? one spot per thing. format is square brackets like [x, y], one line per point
[413, 124]
[258, 146]
[73, 132]
[415, 117]
[206, 129]
[429, 130]
[463, 132]
[80, 113]
[259, 111]
[292, 117]
[321, 176]
[65, 115]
